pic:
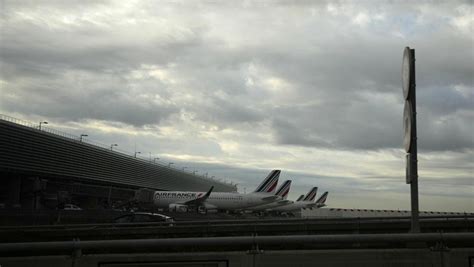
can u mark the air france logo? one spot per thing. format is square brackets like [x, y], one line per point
[159, 195]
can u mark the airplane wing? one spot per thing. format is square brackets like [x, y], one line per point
[274, 197]
[199, 200]
[284, 201]
[311, 205]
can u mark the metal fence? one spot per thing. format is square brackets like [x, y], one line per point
[242, 242]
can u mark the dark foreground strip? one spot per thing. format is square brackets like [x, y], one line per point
[247, 241]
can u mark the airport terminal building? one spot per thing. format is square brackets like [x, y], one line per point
[41, 168]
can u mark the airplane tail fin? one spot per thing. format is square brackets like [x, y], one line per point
[284, 189]
[300, 198]
[311, 194]
[201, 199]
[208, 193]
[322, 198]
[269, 183]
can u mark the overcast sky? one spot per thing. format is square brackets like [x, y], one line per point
[236, 89]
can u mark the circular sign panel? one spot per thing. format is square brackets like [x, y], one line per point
[407, 121]
[407, 71]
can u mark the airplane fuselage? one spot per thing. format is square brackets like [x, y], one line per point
[271, 205]
[216, 200]
[296, 206]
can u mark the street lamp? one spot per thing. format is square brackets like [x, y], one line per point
[82, 135]
[112, 146]
[154, 160]
[169, 164]
[42, 122]
[137, 152]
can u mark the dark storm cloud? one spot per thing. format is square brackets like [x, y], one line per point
[101, 108]
[79, 95]
[350, 66]
[289, 133]
[28, 45]
[340, 124]
[226, 112]
[448, 133]
[78, 72]
[343, 74]
[443, 100]
[347, 120]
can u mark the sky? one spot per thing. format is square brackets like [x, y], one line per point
[237, 88]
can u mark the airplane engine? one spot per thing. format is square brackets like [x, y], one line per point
[207, 208]
[178, 208]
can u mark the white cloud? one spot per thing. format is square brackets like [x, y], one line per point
[361, 19]
[312, 89]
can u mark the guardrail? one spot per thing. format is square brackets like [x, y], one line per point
[239, 243]
[469, 218]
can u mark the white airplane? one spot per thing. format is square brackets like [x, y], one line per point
[281, 192]
[307, 202]
[182, 200]
[300, 198]
[321, 202]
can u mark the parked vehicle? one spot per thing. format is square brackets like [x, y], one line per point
[143, 217]
[71, 207]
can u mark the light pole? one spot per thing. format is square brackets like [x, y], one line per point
[112, 146]
[137, 152]
[42, 122]
[169, 164]
[154, 160]
[410, 138]
[82, 135]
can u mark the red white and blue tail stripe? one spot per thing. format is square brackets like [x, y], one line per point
[284, 189]
[322, 198]
[311, 194]
[269, 184]
[300, 198]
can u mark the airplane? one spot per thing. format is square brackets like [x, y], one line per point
[308, 201]
[282, 192]
[322, 200]
[300, 198]
[181, 201]
[193, 202]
